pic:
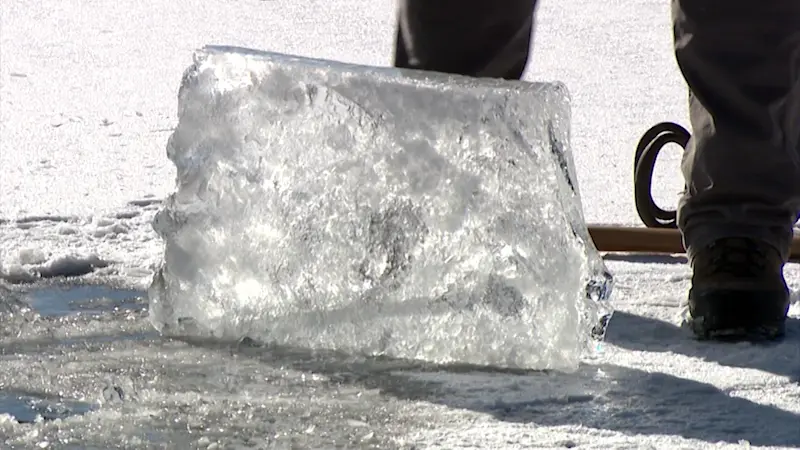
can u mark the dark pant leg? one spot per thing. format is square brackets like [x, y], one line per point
[741, 61]
[480, 38]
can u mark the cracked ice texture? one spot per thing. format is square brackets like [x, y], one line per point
[376, 211]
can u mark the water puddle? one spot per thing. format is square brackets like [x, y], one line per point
[60, 301]
[31, 408]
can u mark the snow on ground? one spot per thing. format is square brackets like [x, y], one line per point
[87, 101]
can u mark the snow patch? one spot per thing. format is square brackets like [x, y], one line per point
[794, 307]
[51, 246]
[29, 265]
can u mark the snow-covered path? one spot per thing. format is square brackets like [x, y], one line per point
[87, 101]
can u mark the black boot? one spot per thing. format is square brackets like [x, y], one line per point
[738, 291]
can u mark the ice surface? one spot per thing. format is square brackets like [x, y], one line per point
[377, 211]
[183, 396]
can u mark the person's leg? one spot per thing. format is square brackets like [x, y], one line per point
[741, 61]
[478, 38]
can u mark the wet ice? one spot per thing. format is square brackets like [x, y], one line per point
[378, 211]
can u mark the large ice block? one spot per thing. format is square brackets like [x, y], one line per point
[376, 211]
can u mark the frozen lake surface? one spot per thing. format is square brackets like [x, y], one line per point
[87, 101]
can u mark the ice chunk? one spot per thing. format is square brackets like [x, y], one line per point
[375, 210]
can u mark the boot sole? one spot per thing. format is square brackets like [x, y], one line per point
[734, 315]
[760, 333]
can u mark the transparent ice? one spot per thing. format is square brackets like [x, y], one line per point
[376, 211]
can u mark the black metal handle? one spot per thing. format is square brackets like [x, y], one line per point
[644, 163]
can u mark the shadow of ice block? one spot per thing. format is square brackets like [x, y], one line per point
[378, 211]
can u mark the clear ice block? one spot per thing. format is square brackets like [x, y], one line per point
[377, 211]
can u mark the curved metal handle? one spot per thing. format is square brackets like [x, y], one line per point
[644, 162]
